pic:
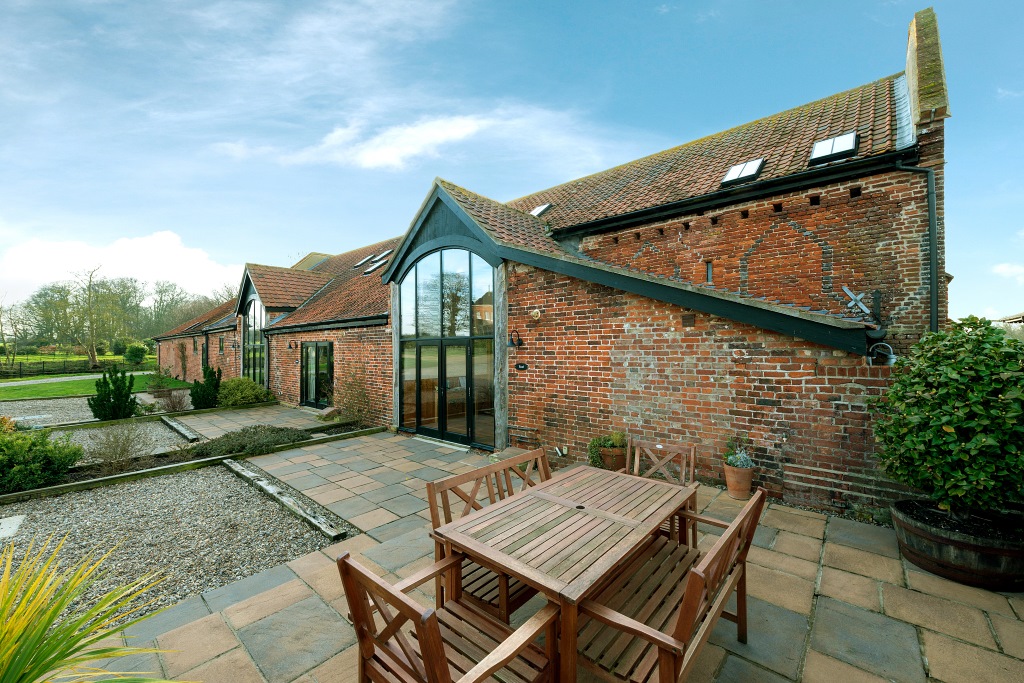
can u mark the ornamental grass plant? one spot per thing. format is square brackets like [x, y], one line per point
[46, 632]
[952, 422]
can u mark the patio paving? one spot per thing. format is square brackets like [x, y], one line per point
[221, 422]
[830, 599]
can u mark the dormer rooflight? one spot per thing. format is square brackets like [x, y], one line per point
[741, 173]
[839, 147]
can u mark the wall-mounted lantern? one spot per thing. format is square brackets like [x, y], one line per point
[514, 340]
[879, 356]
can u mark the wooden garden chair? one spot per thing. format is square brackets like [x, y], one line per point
[401, 641]
[651, 620]
[455, 497]
[674, 463]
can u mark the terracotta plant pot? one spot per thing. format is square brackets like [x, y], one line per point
[613, 458]
[738, 480]
[989, 560]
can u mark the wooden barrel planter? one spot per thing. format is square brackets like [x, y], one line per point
[613, 458]
[992, 562]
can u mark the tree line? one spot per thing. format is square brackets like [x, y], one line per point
[97, 313]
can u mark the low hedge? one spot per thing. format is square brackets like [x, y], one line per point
[255, 440]
[241, 391]
[31, 460]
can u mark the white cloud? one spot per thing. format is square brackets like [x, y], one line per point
[30, 263]
[1007, 94]
[1013, 271]
[392, 147]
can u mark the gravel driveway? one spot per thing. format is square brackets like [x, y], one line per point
[47, 411]
[202, 529]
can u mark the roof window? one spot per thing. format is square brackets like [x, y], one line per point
[374, 267]
[538, 210]
[834, 148]
[383, 254]
[363, 261]
[743, 172]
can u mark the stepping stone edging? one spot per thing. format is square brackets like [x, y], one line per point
[267, 484]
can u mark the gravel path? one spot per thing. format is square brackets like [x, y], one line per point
[202, 529]
[163, 437]
[47, 411]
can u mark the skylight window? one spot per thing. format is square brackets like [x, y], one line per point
[363, 261]
[834, 148]
[538, 210]
[372, 268]
[743, 172]
[383, 254]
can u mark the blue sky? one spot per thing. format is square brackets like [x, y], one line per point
[178, 140]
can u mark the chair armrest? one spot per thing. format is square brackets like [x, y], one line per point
[631, 626]
[427, 573]
[511, 646]
[705, 520]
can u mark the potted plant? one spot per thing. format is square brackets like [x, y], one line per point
[159, 383]
[952, 427]
[608, 451]
[739, 468]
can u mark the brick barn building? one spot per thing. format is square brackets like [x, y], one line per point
[752, 282]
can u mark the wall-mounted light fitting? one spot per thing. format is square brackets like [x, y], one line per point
[879, 356]
[535, 314]
[292, 345]
[514, 340]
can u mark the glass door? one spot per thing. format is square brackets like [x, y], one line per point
[429, 409]
[317, 374]
[456, 389]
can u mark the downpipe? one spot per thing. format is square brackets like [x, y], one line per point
[933, 239]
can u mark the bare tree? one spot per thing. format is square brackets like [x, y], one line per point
[86, 310]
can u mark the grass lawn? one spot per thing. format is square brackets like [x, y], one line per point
[75, 387]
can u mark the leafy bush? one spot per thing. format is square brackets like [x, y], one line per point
[952, 422]
[28, 350]
[31, 460]
[113, 399]
[241, 391]
[118, 346]
[204, 394]
[253, 440]
[49, 628]
[115, 445]
[159, 379]
[135, 353]
[612, 440]
[101, 348]
[8, 424]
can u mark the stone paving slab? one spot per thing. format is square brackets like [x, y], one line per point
[829, 600]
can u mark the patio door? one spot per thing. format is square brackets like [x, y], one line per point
[317, 374]
[443, 407]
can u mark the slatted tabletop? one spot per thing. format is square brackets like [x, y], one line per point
[565, 535]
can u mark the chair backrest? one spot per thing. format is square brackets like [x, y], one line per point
[457, 496]
[711, 576]
[379, 613]
[676, 463]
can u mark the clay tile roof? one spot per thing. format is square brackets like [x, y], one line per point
[196, 325]
[697, 168]
[350, 293]
[285, 287]
[503, 223]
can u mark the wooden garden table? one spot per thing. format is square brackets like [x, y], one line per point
[564, 536]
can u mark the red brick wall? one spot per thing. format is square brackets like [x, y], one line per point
[362, 355]
[600, 360]
[805, 253]
[228, 362]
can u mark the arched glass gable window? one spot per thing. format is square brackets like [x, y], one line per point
[447, 349]
[254, 344]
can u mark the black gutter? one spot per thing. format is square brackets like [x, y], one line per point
[933, 244]
[814, 177]
[364, 321]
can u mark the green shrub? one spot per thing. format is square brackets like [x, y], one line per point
[31, 460]
[135, 353]
[113, 399]
[253, 440]
[101, 348]
[28, 350]
[118, 346]
[204, 394]
[952, 422]
[241, 391]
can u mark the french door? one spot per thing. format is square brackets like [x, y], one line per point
[443, 391]
[317, 385]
